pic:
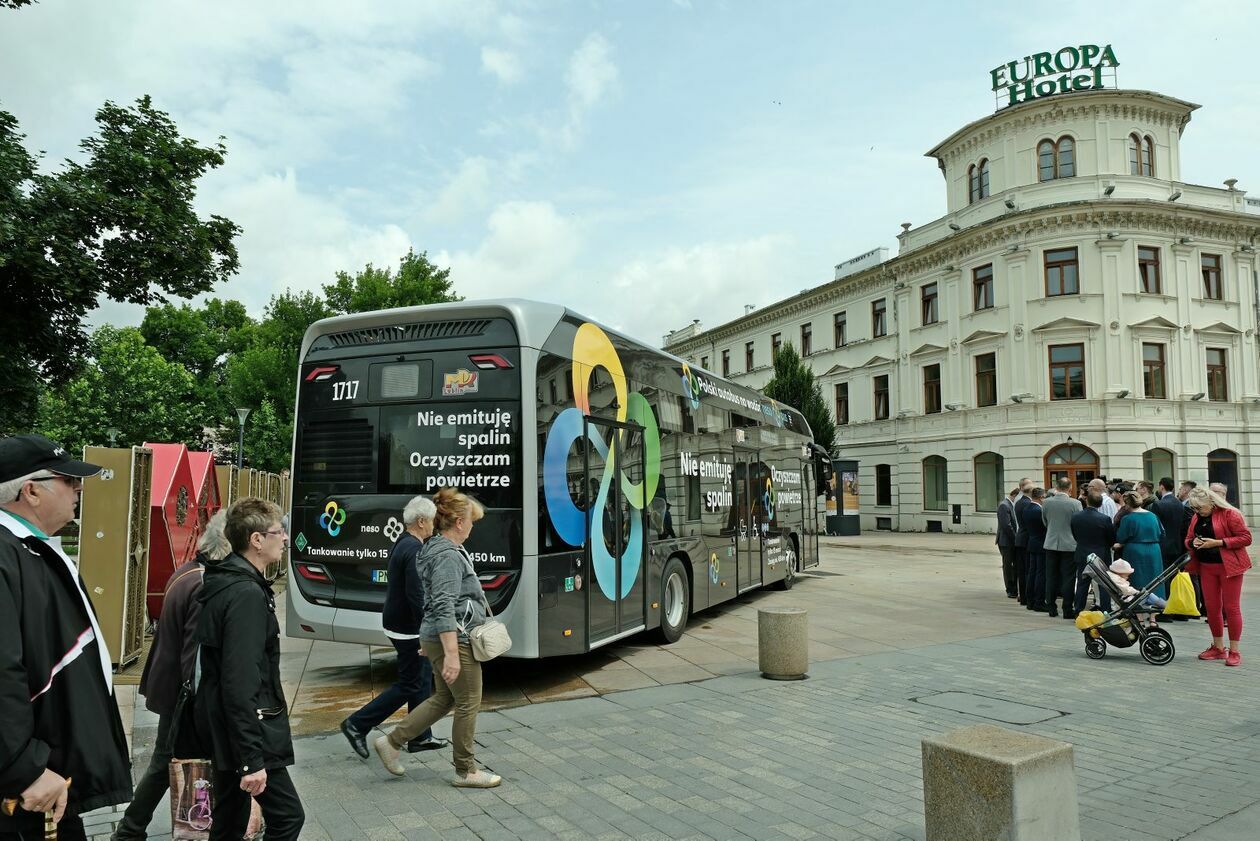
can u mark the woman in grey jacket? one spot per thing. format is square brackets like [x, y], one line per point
[453, 605]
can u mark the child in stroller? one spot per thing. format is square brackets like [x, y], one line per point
[1119, 573]
[1122, 627]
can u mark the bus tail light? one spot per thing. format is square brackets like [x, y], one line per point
[321, 373]
[314, 572]
[495, 582]
[488, 361]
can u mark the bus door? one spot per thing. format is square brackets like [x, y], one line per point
[747, 520]
[616, 545]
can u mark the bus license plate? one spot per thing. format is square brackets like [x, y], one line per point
[380, 576]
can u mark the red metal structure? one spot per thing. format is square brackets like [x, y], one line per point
[173, 524]
[206, 482]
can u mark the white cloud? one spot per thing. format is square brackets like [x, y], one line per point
[503, 65]
[591, 72]
[468, 190]
[529, 251]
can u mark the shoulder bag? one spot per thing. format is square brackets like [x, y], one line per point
[490, 638]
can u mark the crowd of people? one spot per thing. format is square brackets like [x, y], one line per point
[1046, 536]
[213, 673]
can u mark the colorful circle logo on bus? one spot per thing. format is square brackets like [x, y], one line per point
[691, 386]
[333, 518]
[592, 349]
[768, 499]
[715, 567]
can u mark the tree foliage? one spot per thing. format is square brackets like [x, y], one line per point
[416, 283]
[120, 225]
[793, 383]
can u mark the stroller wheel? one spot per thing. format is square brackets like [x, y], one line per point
[1095, 649]
[1157, 648]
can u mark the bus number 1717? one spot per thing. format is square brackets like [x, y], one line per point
[348, 390]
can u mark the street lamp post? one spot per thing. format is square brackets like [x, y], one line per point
[113, 432]
[240, 448]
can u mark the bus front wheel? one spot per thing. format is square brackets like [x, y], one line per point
[675, 602]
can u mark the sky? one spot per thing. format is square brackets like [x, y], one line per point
[645, 163]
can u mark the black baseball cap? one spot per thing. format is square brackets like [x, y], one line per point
[22, 455]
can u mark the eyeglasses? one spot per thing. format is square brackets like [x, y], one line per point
[275, 531]
[74, 483]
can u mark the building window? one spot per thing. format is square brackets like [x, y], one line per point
[1067, 372]
[748, 356]
[1061, 272]
[842, 404]
[990, 486]
[568, 388]
[881, 396]
[1141, 155]
[1056, 159]
[936, 484]
[551, 389]
[982, 287]
[726, 363]
[883, 484]
[776, 340]
[986, 379]
[931, 389]
[1223, 468]
[1154, 380]
[693, 497]
[1212, 276]
[929, 308]
[842, 329]
[1157, 464]
[978, 181]
[1218, 388]
[879, 320]
[807, 339]
[1148, 269]
[704, 362]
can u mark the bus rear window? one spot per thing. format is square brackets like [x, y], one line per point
[402, 380]
[471, 446]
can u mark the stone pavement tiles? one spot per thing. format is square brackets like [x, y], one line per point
[1160, 752]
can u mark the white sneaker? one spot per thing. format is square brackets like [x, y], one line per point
[477, 779]
[389, 756]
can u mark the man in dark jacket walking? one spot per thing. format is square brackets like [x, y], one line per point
[241, 713]
[62, 746]
[172, 658]
[404, 607]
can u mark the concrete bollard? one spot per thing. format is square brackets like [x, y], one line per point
[987, 783]
[783, 643]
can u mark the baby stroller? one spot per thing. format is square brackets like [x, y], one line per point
[1121, 628]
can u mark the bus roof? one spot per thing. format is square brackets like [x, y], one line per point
[534, 320]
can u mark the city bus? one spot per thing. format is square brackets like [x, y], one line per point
[624, 489]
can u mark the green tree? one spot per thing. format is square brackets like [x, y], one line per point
[268, 438]
[128, 386]
[120, 225]
[793, 384]
[416, 283]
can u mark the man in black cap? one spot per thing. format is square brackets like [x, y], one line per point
[62, 746]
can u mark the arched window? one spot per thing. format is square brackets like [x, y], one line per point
[1056, 159]
[1157, 464]
[1223, 468]
[936, 484]
[1141, 155]
[990, 485]
[978, 181]
[1080, 464]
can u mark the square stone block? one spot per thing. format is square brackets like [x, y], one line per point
[987, 783]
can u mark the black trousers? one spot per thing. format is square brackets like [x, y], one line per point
[1021, 573]
[281, 807]
[1008, 570]
[413, 688]
[1060, 578]
[32, 829]
[1035, 579]
[149, 789]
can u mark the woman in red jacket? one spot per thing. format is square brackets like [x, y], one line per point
[1217, 540]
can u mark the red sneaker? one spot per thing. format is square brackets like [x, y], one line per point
[1213, 653]
[1233, 658]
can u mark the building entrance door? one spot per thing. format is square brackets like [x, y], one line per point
[1078, 463]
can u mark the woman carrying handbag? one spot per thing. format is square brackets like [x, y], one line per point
[455, 607]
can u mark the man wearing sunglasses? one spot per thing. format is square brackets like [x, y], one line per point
[62, 746]
[240, 709]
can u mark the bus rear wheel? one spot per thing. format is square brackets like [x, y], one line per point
[791, 566]
[675, 602]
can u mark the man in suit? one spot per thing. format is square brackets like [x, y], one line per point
[1006, 542]
[1036, 531]
[1021, 540]
[1094, 533]
[1060, 548]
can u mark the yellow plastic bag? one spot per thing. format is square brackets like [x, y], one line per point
[1088, 618]
[1181, 596]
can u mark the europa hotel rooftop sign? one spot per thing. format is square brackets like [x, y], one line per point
[1082, 68]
